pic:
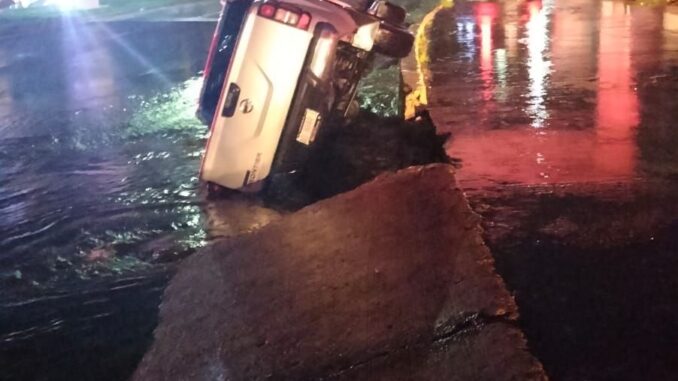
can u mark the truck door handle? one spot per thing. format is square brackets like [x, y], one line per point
[231, 102]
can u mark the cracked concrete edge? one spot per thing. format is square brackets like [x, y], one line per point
[414, 84]
[456, 362]
[504, 306]
[415, 74]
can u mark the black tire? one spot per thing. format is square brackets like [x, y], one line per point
[393, 41]
[389, 12]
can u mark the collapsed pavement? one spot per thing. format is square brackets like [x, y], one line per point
[389, 281]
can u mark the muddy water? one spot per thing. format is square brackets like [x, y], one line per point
[98, 155]
[563, 116]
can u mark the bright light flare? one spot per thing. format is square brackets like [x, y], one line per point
[539, 66]
[486, 55]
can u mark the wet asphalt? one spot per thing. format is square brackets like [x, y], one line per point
[563, 116]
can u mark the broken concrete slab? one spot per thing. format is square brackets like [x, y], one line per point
[389, 281]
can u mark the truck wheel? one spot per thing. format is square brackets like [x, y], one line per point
[388, 12]
[393, 41]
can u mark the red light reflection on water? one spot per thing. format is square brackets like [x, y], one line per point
[546, 150]
[486, 55]
[617, 112]
[485, 17]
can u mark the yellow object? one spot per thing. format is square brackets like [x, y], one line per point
[418, 97]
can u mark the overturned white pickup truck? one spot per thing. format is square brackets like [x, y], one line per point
[277, 71]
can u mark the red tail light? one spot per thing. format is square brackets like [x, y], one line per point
[304, 21]
[267, 10]
[285, 14]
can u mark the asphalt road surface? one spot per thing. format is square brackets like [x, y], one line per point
[563, 116]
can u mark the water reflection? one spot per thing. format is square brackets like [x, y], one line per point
[89, 79]
[574, 44]
[98, 189]
[538, 65]
[617, 104]
[555, 96]
[97, 156]
[486, 15]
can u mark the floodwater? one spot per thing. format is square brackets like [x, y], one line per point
[99, 150]
[563, 117]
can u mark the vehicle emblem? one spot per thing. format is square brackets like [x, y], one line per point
[246, 106]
